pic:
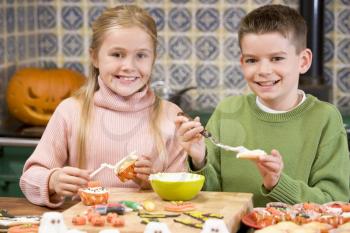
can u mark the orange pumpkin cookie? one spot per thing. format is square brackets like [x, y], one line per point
[125, 169]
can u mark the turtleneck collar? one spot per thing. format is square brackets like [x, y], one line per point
[104, 97]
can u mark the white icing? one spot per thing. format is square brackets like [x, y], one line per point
[95, 190]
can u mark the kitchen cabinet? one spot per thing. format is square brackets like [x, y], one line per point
[12, 160]
[17, 143]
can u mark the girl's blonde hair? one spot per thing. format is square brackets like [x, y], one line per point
[124, 16]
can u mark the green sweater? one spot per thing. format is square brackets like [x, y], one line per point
[311, 139]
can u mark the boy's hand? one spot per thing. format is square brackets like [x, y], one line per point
[67, 180]
[189, 137]
[143, 168]
[270, 168]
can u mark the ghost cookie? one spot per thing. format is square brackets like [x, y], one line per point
[52, 222]
[214, 225]
[157, 227]
[109, 231]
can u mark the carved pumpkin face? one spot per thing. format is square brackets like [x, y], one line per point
[33, 94]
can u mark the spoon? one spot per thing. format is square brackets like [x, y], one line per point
[238, 149]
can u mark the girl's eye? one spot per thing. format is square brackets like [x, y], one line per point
[118, 55]
[250, 60]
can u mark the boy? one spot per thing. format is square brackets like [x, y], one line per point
[305, 139]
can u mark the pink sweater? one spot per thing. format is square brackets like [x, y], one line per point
[118, 127]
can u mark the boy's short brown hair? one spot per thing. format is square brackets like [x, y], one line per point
[275, 18]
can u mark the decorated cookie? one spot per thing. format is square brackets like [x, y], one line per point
[214, 225]
[94, 194]
[159, 227]
[125, 169]
[52, 222]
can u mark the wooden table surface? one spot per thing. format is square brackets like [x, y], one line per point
[231, 205]
[21, 206]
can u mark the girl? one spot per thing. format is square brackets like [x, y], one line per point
[114, 114]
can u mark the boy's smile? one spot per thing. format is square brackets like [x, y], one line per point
[125, 60]
[271, 67]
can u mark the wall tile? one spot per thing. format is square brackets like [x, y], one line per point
[207, 19]
[344, 51]
[94, 12]
[10, 19]
[158, 15]
[207, 48]
[343, 79]
[233, 77]
[11, 48]
[46, 17]
[72, 17]
[2, 51]
[21, 18]
[72, 45]
[2, 20]
[180, 47]
[344, 21]
[180, 19]
[30, 16]
[232, 17]
[48, 45]
[207, 76]
[180, 75]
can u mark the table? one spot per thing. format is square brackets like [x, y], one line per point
[21, 206]
[231, 205]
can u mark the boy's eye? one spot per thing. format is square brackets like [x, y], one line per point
[141, 55]
[277, 58]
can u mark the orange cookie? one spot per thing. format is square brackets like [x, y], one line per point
[125, 168]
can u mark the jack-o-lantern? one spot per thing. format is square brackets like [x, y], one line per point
[33, 93]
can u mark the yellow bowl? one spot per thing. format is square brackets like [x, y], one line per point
[180, 186]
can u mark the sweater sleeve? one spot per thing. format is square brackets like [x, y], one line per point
[212, 168]
[176, 161]
[50, 154]
[329, 176]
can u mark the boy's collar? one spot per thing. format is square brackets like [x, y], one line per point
[270, 110]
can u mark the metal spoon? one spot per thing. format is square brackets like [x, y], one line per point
[207, 134]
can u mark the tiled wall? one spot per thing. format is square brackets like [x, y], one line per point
[197, 42]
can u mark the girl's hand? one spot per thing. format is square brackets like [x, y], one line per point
[270, 168]
[143, 168]
[189, 137]
[67, 180]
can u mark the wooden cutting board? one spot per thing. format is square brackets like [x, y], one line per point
[231, 205]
